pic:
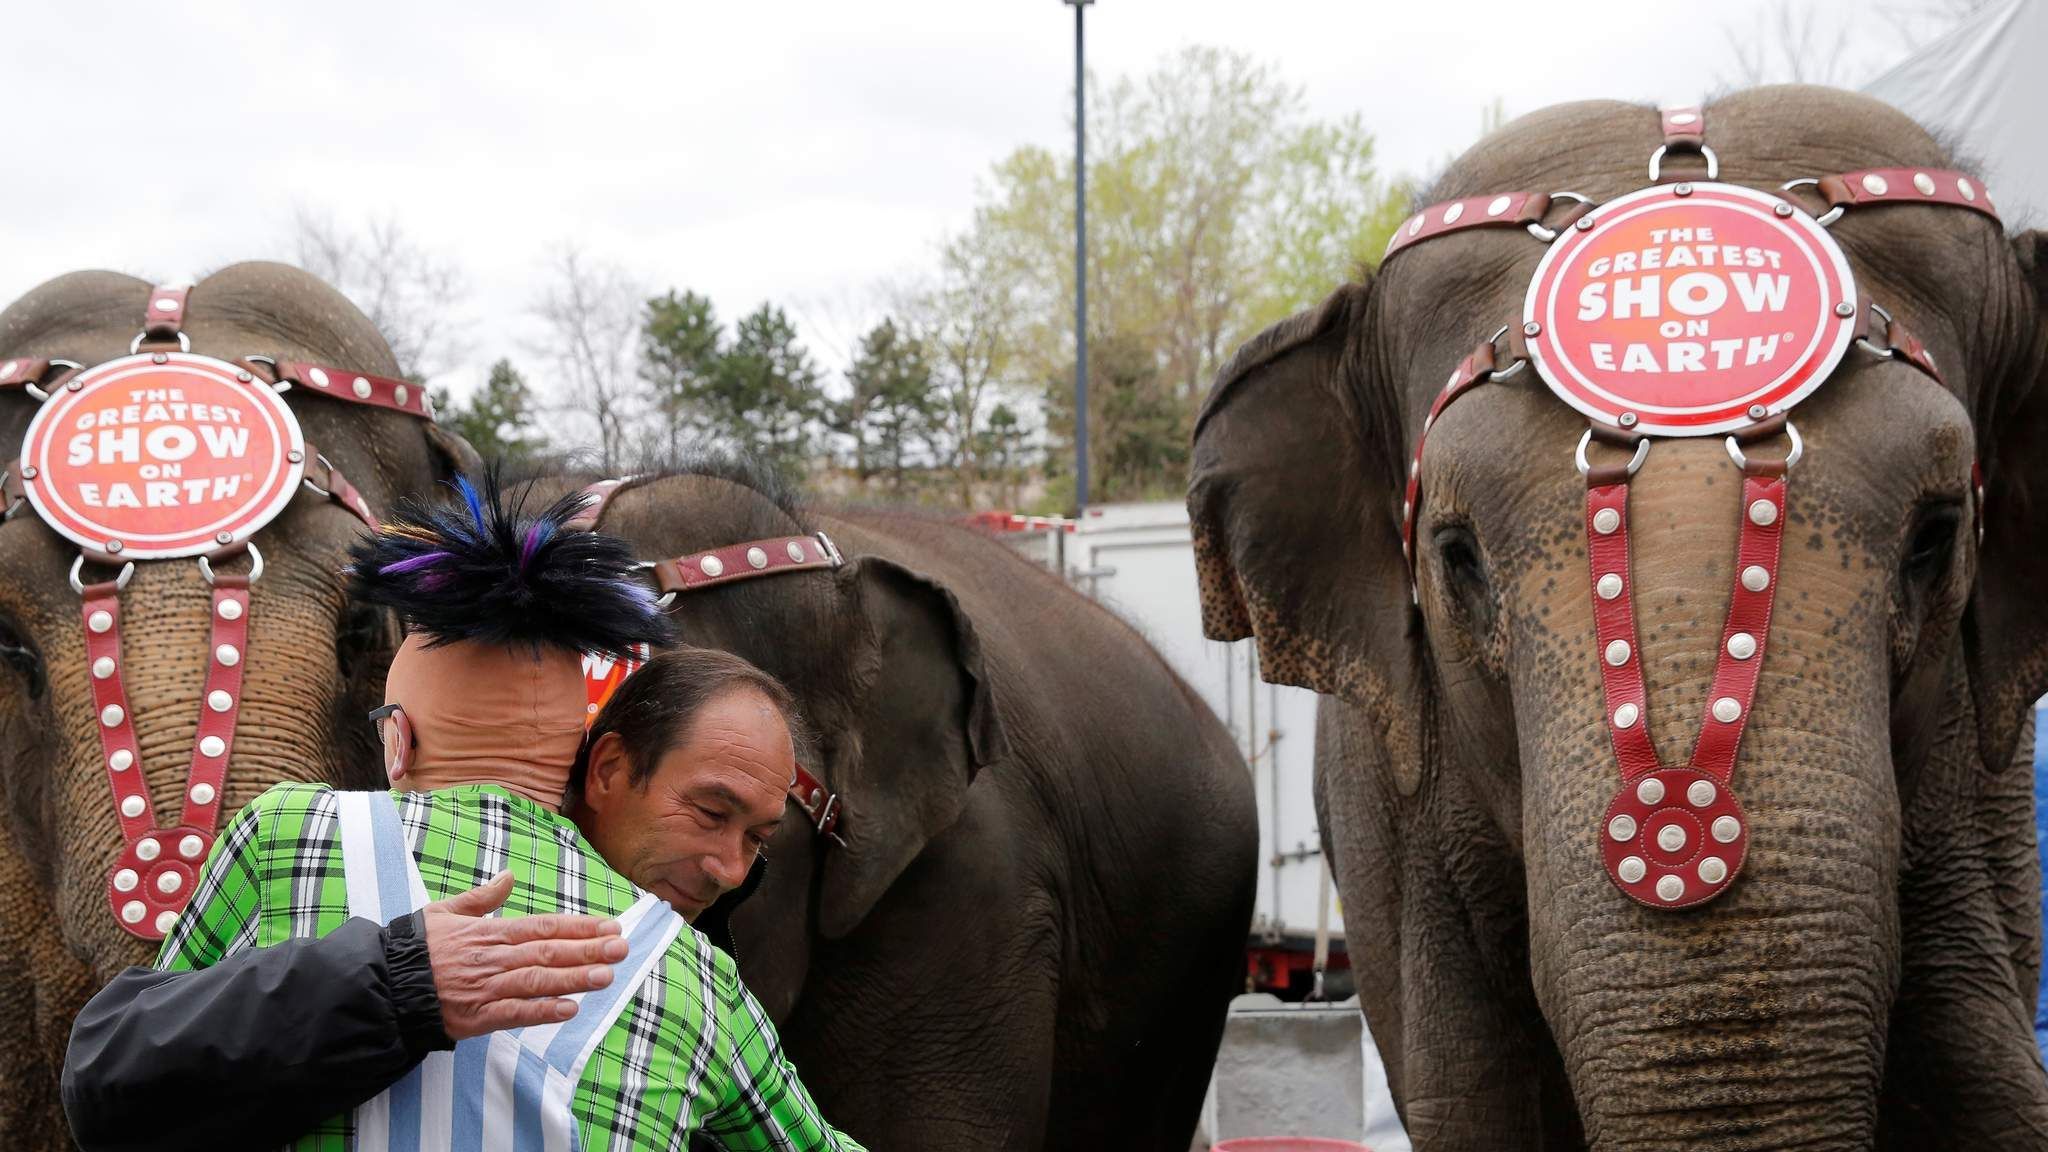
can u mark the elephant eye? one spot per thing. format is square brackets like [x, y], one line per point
[1464, 569]
[1930, 549]
[21, 656]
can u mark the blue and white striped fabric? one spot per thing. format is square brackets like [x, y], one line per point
[509, 1089]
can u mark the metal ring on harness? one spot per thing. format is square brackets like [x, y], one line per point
[1824, 219]
[31, 388]
[135, 345]
[319, 458]
[1495, 375]
[120, 582]
[1863, 342]
[255, 565]
[1635, 462]
[1546, 235]
[1791, 458]
[1713, 161]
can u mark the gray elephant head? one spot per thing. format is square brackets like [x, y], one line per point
[314, 665]
[853, 644]
[1872, 969]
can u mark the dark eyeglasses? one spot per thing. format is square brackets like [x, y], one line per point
[379, 715]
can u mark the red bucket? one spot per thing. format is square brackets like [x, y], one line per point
[1288, 1144]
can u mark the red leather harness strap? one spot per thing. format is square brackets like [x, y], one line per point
[1492, 210]
[1685, 128]
[164, 319]
[1614, 620]
[354, 387]
[737, 562]
[1868, 186]
[1746, 634]
[335, 486]
[152, 881]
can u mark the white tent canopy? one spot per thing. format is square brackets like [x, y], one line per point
[1984, 88]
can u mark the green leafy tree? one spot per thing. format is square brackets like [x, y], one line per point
[1216, 205]
[891, 405]
[1002, 451]
[767, 393]
[681, 355]
[497, 419]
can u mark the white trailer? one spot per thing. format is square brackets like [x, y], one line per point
[1138, 560]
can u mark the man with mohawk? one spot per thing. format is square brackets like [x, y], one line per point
[483, 722]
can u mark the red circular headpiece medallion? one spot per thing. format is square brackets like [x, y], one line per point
[1690, 306]
[161, 455]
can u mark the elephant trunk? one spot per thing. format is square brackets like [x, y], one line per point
[284, 731]
[1757, 1019]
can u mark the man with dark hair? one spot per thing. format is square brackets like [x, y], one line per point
[622, 1043]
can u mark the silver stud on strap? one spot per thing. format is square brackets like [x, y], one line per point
[131, 806]
[169, 883]
[1742, 645]
[1727, 710]
[317, 378]
[1968, 190]
[711, 566]
[1671, 838]
[1875, 184]
[400, 394]
[1452, 213]
[1924, 183]
[219, 700]
[100, 621]
[212, 746]
[1622, 828]
[1606, 520]
[230, 609]
[111, 715]
[1670, 889]
[227, 655]
[1626, 715]
[1701, 793]
[103, 668]
[133, 911]
[121, 760]
[125, 880]
[1498, 205]
[795, 550]
[1713, 870]
[148, 848]
[165, 921]
[361, 388]
[1650, 791]
[1609, 586]
[756, 558]
[1763, 513]
[1631, 869]
[1726, 829]
[202, 793]
[190, 847]
[1756, 578]
[1617, 653]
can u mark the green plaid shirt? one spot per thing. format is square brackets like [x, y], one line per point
[693, 1051]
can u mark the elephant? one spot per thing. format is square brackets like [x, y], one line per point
[314, 664]
[1867, 981]
[1030, 934]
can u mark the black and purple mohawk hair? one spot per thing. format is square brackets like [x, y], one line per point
[476, 569]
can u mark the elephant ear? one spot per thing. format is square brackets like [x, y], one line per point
[452, 454]
[927, 726]
[2008, 627]
[1294, 505]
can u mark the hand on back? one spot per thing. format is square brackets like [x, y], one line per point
[493, 973]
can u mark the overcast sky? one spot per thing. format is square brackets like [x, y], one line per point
[797, 151]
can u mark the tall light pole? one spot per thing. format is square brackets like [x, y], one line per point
[1080, 7]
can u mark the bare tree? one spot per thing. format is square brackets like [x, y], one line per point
[590, 315]
[1798, 42]
[409, 293]
[1789, 43]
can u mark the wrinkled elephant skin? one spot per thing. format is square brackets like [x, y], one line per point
[1868, 980]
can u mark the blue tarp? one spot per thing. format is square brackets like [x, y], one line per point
[2041, 846]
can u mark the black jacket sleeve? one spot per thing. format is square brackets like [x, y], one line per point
[256, 1050]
